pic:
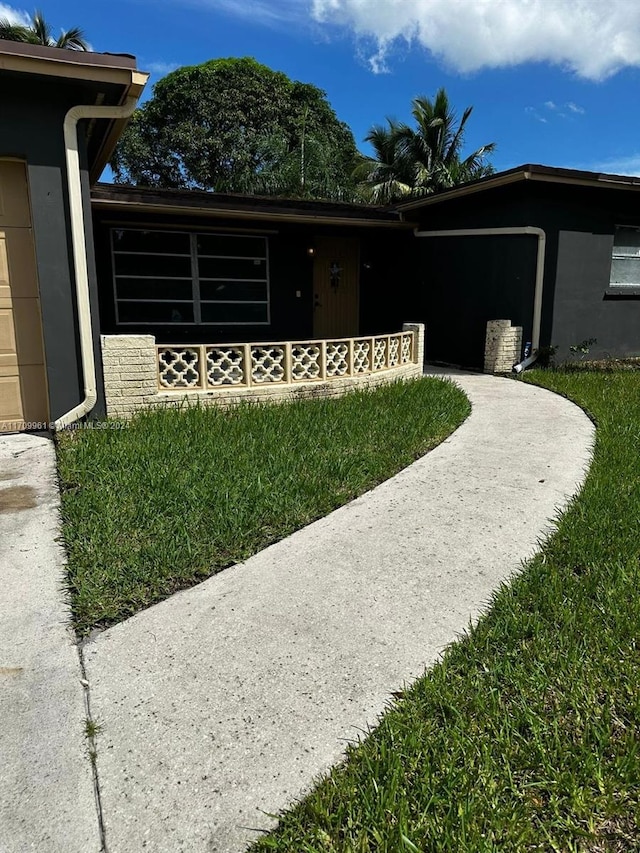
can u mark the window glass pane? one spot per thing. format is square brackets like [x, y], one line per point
[155, 312]
[156, 242]
[153, 277]
[148, 288]
[232, 268]
[230, 244]
[626, 242]
[242, 291]
[625, 271]
[229, 313]
[152, 265]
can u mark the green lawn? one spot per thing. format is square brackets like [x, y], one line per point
[181, 494]
[527, 735]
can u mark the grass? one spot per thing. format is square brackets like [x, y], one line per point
[526, 736]
[182, 494]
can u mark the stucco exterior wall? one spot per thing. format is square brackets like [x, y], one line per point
[32, 130]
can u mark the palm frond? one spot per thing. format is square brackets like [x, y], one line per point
[41, 28]
[72, 39]
[457, 138]
[10, 31]
[38, 31]
[384, 192]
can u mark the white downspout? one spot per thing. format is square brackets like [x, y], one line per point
[76, 210]
[525, 229]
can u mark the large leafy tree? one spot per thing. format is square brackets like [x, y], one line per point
[39, 31]
[234, 125]
[427, 158]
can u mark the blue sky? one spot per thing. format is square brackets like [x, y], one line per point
[551, 81]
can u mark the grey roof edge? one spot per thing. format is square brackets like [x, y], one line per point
[531, 172]
[237, 204]
[75, 57]
[199, 202]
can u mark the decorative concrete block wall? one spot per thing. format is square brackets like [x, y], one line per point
[138, 374]
[503, 346]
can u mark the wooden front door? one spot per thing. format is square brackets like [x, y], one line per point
[23, 389]
[335, 287]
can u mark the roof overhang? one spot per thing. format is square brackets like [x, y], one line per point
[116, 72]
[199, 204]
[530, 172]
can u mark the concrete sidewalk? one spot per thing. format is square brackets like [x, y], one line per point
[47, 801]
[225, 701]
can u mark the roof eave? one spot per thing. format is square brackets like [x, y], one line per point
[69, 64]
[116, 126]
[236, 213]
[466, 189]
[552, 175]
[81, 66]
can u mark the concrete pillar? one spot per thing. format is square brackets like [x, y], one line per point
[503, 346]
[419, 329]
[130, 373]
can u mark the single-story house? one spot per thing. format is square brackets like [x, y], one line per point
[186, 279]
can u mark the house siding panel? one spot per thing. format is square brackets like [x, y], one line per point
[464, 282]
[468, 281]
[31, 129]
[581, 222]
[460, 286]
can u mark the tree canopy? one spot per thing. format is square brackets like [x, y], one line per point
[39, 31]
[427, 158]
[234, 125]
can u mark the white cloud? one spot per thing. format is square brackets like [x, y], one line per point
[15, 16]
[591, 38]
[532, 111]
[553, 110]
[268, 12]
[629, 165]
[159, 68]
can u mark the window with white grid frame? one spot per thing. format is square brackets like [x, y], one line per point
[625, 258]
[165, 277]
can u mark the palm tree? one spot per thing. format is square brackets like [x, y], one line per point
[39, 32]
[390, 175]
[427, 158]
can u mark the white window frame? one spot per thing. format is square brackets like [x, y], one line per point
[620, 286]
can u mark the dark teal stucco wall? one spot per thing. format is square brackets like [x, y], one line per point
[32, 112]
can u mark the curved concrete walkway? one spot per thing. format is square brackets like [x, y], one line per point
[225, 701]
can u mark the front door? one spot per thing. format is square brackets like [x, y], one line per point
[23, 390]
[335, 287]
